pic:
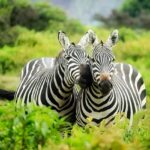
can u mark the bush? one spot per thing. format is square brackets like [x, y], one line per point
[36, 17]
[34, 127]
[24, 16]
[29, 127]
[135, 7]
[8, 37]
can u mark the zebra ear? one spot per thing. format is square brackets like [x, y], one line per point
[88, 38]
[63, 39]
[93, 38]
[113, 38]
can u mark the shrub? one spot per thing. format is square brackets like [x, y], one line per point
[8, 37]
[74, 26]
[29, 45]
[36, 17]
[24, 16]
[135, 7]
[35, 127]
[29, 127]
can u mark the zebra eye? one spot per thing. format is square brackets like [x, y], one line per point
[67, 57]
[92, 59]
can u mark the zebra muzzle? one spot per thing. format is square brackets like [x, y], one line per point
[104, 76]
[105, 86]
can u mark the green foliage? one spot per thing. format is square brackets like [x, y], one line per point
[6, 3]
[29, 127]
[29, 44]
[133, 13]
[74, 26]
[38, 17]
[35, 127]
[49, 12]
[8, 37]
[135, 7]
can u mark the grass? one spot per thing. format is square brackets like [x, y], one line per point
[9, 82]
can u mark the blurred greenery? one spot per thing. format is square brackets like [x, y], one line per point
[33, 16]
[135, 7]
[24, 37]
[133, 14]
[34, 127]
[29, 127]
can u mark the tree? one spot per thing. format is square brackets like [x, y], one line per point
[133, 13]
[135, 7]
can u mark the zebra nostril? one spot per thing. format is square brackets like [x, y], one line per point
[104, 76]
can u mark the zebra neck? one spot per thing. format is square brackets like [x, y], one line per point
[60, 80]
[67, 77]
[96, 95]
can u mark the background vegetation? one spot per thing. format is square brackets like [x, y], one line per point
[133, 14]
[29, 31]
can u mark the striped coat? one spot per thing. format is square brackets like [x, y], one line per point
[116, 87]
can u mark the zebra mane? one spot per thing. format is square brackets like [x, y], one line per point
[73, 43]
[59, 57]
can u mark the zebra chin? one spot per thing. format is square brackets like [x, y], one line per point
[105, 86]
[85, 81]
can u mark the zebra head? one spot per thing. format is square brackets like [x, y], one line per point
[102, 62]
[76, 59]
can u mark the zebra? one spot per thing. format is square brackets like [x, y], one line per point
[50, 82]
[39, 63]
[116, 87]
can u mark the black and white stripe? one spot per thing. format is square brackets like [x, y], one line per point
[116, 87]
[50, 82]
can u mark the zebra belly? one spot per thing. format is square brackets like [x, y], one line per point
[35, 92]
